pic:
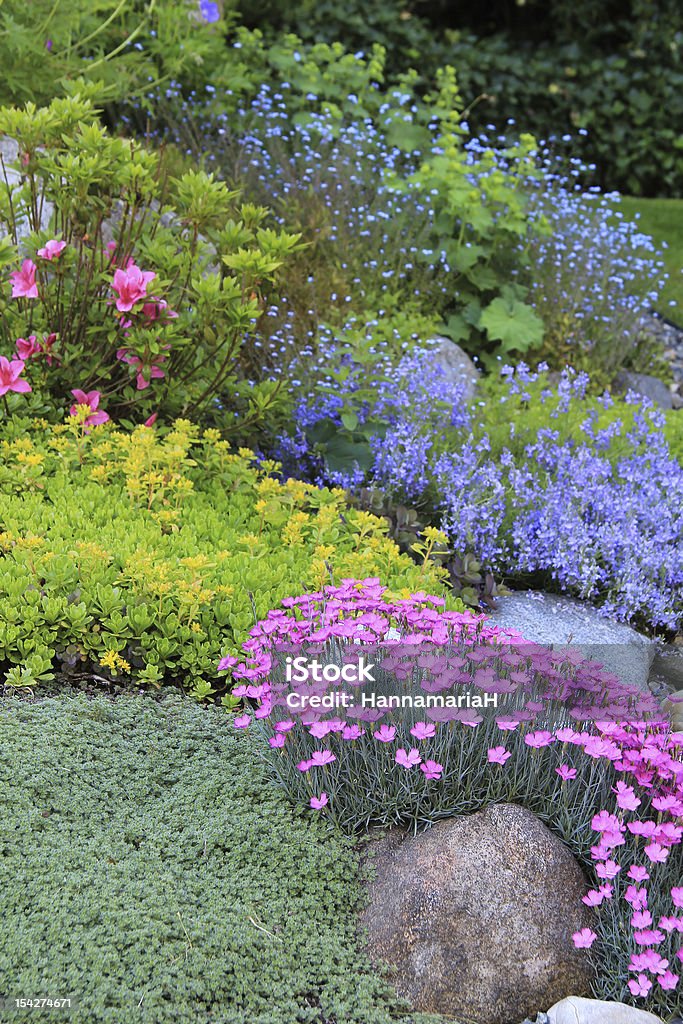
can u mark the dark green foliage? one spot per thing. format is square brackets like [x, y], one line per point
[144, 874]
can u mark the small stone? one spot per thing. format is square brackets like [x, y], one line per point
[577, 1010]
[457, 367]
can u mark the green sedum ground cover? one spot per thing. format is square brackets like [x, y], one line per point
[150, 873]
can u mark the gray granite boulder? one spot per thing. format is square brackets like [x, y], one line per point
[11, 179]
[565, 622]
[647, 386]
[457, 367]
[576, 1010]
[475, 916]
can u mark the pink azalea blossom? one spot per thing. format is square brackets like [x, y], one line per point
[242, 721]
[46, 346]
[584, 939]
[92, 400]
[432, 769]
[146, 374]
[408, 759]
[566, 773]
[385, 733]
[24, 281]
[423, 730]
[640, 986]
[27, 347]
[131, 286]
[52, 249]
[151, 420]
[318, 802]
[10, 376]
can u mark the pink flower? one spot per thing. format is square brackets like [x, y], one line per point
[385, 733]
[565, 772]
[636, 897]
[10, 372]
[640, 986]
[318, 802]
[656, 853]
[242, 721]
[131, 286]
[46, 346]
[641, 919]
[677, 895]
[304, 766]
[648, 937]
[423, 730]
[156, 309]
[151, 420]
[638, 874]
[539, 739]
[145, 374]
[285, 726]
[668, 980]
[498, 755]
[610, 869]
[626, 798]
[321, 758]
[584, 939]
[593, 898]
[27, 347]
[408, 759]
[319, 729]
[278, 740]
[352, 732]
[52, 249]
[432, 769]
[92, 400]
[24, 281]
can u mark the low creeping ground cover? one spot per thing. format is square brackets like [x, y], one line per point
[143, 556]
[150, 873]
[592, 757]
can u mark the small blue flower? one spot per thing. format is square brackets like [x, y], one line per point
[210, 11]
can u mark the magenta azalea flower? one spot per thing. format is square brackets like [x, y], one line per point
[584, 939]
[24, 281]
[28, 347]
[10, 374]
[92, 400]
[318, 802]
[408, 759]
[145, 374]
[131, 286]
[52, 249]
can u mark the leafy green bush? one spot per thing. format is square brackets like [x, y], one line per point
[121, 47]
[81, 209]
[152, 874]
[142, 558]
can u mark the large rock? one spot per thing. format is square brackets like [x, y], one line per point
[476, 916]
[564, 622]
[576, 1010]
[456, 366]
[647, 386]
[11, 179]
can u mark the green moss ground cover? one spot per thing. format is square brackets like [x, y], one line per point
[150, 873]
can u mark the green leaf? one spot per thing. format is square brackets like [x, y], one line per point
[514, 324]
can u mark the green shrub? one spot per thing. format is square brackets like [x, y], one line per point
[121, 47]
[151, 873]
[169, 342]
[143, 558]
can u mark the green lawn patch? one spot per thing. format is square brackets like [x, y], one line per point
[151, 873]
[663, 220]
